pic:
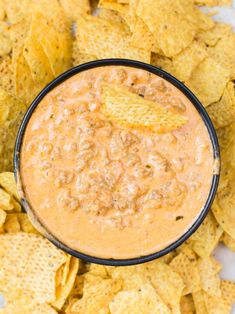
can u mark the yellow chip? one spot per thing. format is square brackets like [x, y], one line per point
[187, 305]
[212, 3]
[98, 270]
[11, 112]
[212, 36]
[215, 304]
[37, 262]
[97, 294]
[6, 74]
[25, 224]
[172, 23]
[12, 224]
[162, 62]
[64, 288]
[226, 136]
[222, 113]
[73, 8]
[2, 217]
[187, 268]
[7, 182]
[228, 292]
[106, 39]
[208, 81]
[132, 110]
[18, 303]
[5, 201]
[205, 239]
[79, 57]
[113, 16]
[223, 53]
[210, 280]
[228, 241]
[6, 45]
[141, 300]
[199, 302]
[34, 54]
[185, 62]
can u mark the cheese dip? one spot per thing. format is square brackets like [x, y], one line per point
[108, 190]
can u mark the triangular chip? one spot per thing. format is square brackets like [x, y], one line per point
[8, 183]
[132, 110]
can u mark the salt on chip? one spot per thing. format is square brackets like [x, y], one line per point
[132, 110]
[37, 262]
[208, 81]
[187, 268]
[205, 239]
[12, 224]
[64, 288]
[97, 294]
[106, 39]
[140, 300]
[8, 183]
[185, 62]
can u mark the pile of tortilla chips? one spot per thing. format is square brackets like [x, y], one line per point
[41, 39]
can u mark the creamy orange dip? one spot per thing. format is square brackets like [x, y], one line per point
[108, 190]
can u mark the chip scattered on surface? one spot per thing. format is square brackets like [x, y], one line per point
[133, 110]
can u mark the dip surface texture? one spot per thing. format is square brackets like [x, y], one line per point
[107, 190]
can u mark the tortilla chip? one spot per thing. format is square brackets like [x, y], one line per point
[222, 113]
[132, 110]
[57, 45]
[6, 45]
[212, 36]
[11, 112]
[199, 302]
[133, 301]
[98, 270]
[228, 241]
[6, 74]
[97, 294]
[131, 278]
[113, 16]
[18, 303]
[25, 224]
[228, 292]
[185, 62]
[205, 239]
[215, 304]
[226, 136]
[162, 62]
[212, 3]
[3, 216]
[35, 56]
[210, 280]
[12, 224]
[187, 268]
[223, 53]
[172, 23]
[106, 39]
[64, 289]
[187, 305]
[79, 57]
[168, 284]
[73, 8]
[8, 183]
[5, 201]
[216, 78]
[37, 261]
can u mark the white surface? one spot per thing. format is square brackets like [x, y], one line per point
[222, 254]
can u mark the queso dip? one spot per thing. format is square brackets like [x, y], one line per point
[108, 190]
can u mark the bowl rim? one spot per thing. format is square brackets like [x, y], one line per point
[171, 79]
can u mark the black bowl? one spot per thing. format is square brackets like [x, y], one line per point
[186, 92]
